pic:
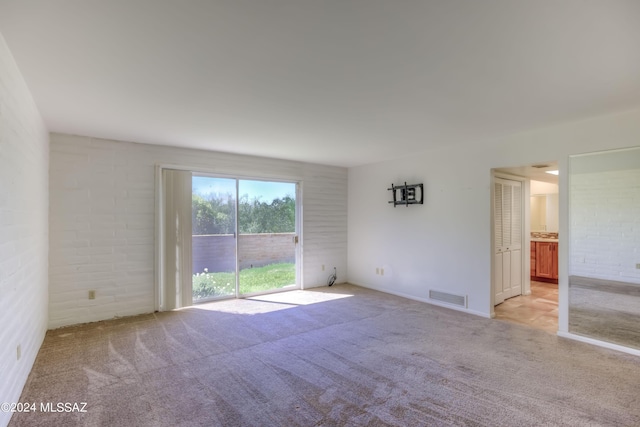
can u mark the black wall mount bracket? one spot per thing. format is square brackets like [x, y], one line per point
[407, 194]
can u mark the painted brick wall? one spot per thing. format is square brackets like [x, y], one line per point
[24, 162]
[257, 250]
[102, 220]
[605, 225]
[217, 252]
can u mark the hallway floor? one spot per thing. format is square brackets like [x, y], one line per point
[538, 310]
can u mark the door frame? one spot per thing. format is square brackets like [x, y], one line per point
[160, 238]
[525, 260]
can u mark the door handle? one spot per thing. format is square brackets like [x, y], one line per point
[295, 239]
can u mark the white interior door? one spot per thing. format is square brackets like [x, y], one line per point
[507, 210]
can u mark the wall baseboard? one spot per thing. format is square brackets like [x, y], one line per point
[425, 300]
[611, 346]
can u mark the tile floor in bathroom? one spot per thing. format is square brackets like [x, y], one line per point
[538, 310]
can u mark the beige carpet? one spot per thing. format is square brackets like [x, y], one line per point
[329, 357]
[605, 310]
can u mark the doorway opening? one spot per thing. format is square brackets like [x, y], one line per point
[536, 302]
[225, 237]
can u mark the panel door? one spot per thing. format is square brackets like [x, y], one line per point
[507, 205]
[499, 278]
[544, 260]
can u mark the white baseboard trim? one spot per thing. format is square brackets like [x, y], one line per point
[599, 343]
[425, 300]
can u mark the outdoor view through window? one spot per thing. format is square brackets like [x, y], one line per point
[251, 254]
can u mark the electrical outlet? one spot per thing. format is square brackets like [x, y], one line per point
[92, 294]
[322, 267]
[18, 352]
[382, 271]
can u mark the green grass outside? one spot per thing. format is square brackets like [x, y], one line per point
[275, 276]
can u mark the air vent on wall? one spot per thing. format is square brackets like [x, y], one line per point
[459, 300]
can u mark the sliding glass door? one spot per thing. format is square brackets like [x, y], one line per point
[267, 236]
[244, 237]
[213, 221]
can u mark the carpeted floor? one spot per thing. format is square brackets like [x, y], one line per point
[605, 310]
[327, 357]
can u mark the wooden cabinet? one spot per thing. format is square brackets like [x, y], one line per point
[533, 259]
[544, 261]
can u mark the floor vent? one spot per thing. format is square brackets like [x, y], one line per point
[459, 300]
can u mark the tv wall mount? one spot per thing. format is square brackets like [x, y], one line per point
[407, 194]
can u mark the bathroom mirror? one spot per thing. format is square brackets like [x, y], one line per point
[544, 212]
[604, 249]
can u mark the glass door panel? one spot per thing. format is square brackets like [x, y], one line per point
[213, 238]
[267, 236]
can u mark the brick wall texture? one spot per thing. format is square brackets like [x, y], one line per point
[102, 220]
[217, 252]
[24, 198]
[605, 225]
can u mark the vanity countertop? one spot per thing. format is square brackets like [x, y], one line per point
[539, 239]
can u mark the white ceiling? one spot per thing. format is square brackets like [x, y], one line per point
[343, 82]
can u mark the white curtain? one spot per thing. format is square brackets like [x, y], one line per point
[176, 239]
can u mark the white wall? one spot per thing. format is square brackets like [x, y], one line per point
[605, 225]
[102, 221]
[552, 212]
[445, 244]
[24, 165]
[539, 187]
